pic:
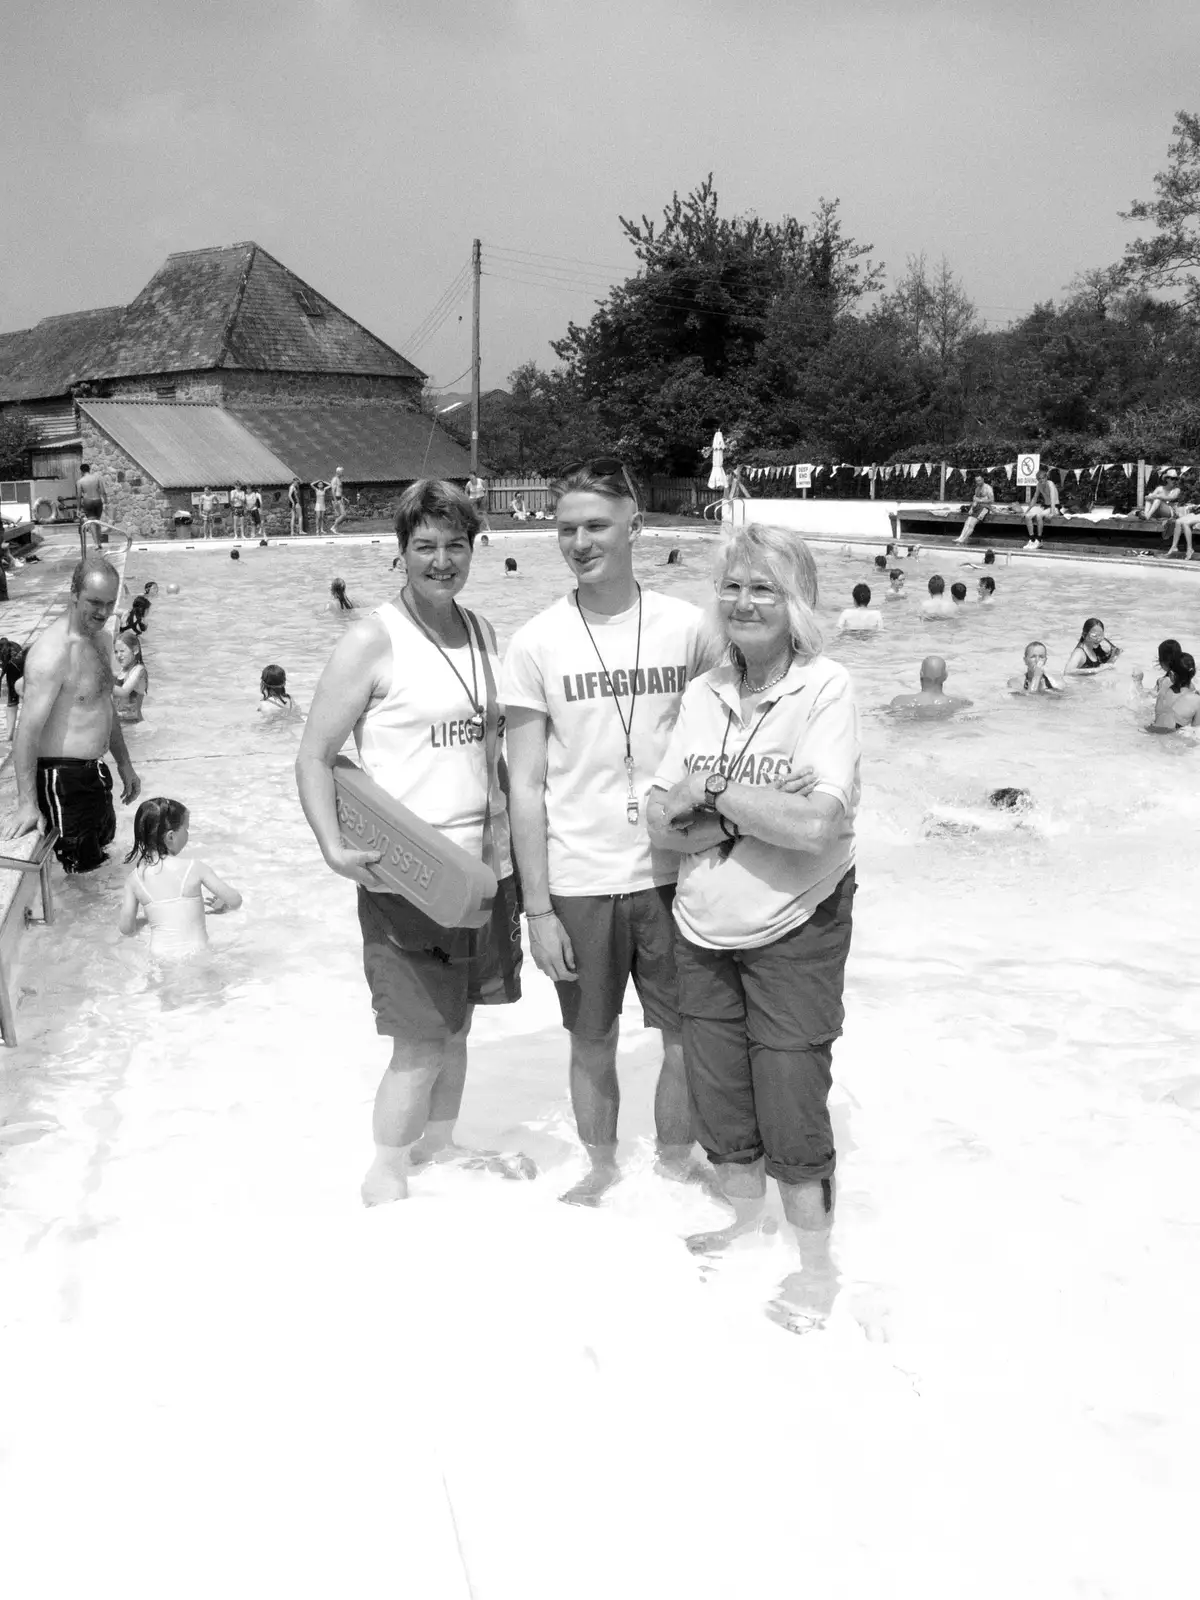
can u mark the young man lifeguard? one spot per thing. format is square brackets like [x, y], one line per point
[592, 687]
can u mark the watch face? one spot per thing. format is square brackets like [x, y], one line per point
[716, 783]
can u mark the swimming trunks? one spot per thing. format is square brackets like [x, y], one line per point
[256, 516]
[75, 796]
[91, 508]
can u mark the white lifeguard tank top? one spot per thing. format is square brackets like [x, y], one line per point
[418, 743]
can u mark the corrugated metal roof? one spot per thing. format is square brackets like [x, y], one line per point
[373, 444]
[184, 446]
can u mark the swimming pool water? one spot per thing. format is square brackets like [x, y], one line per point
[1007, 1370]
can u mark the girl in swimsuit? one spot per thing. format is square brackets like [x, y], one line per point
[276, 700]
[1036, 680]
[134, 682]
[1093, 650]
[1178, 703]
[1168, 653]
[338, 590]
[167, 889]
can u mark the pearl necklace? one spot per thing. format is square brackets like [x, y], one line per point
[771, 682]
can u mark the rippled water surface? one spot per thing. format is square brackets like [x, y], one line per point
[1003, 1400]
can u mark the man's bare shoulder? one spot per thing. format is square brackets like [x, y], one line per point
[50, 651]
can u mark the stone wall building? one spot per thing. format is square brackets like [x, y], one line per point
[299, 382]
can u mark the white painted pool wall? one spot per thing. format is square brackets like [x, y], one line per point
[863, 519]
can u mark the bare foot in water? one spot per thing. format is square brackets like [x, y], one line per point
[516, 1165]
[804, 1300]
[687, 1168]
[381, 1186]
[592, 1188]
[707, 1244]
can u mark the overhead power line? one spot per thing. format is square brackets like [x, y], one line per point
[443, 308]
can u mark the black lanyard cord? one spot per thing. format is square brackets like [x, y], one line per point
[739, 760]
[626, 726]
[472, 693]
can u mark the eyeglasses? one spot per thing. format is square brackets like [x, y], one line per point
[604, 467]
[761, 594]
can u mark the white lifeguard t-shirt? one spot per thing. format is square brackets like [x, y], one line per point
[552, 666]
[418, 742]
[757, 892]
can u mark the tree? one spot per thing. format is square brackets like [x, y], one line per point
[16, 441]
[1171, 259]
[671, 354]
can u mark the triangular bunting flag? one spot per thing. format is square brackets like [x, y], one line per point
[1008, 471]
[1127, 467]
[1078, 474]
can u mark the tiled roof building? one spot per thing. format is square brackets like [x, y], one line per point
[233, 328]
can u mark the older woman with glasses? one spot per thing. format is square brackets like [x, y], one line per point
[765, 894]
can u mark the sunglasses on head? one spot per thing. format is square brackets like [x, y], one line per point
[605, 467]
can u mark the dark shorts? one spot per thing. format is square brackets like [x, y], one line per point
[256, 517]
[758, 1032]
[616, 937]
[75, 796]
[91, 509]
[424, 977]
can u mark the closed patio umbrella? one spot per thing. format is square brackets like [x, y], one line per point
[717, 478]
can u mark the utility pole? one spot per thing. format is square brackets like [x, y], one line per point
[476, 261]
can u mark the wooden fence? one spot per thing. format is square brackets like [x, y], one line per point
[686, 495]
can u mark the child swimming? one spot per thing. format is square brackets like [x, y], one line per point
[135, 622]
[276, 701]
[166, 889]
[131, 688]
[1036, 680]
[340, 600]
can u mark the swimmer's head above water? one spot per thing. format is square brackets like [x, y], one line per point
[989, 558]
[160, 828]
[1011, 799]
[273, 685]
[987, 587]
[881, 563]
[958, 593]
[933, 672]
[937, 585]
[338, 590]
[861, 594]
[510, 565]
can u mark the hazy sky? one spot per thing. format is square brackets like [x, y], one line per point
[366, 142]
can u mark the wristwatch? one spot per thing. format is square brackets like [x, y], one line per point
[715, 784]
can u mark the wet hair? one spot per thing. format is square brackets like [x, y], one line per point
[92, 562]
[1035, 644]
[674, 558]
[1088, 625]
[434, 500]
[273, 684]
[861, 594]
[150, 589]
[881, 563]
[788, 561]
[1182, 671]
[1168, 651]
[895, 573]
[937, 584]
[604, 475]
[132, 643]
[235, 555]
[483, 539]
[989, 558]
[987, 584]
[135, 622]
[958, 591]
[338, 590]
[85, 466]
[153, 821]
[1010, 799]
[510, 563]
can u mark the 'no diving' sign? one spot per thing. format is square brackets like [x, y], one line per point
[1027, 470]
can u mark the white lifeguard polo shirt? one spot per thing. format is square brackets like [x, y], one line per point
[757, 892]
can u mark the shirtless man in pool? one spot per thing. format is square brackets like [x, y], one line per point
[67, 726]
[93, 497]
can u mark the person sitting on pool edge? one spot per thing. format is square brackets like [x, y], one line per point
[983, 503]
[939, 603]
[896, 590]
[987, 589]
[1036, 679]
[1093, 650]
[958, 594]
[932, 700]
[1177, 704]
[859, 618]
